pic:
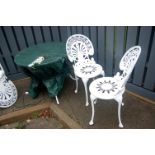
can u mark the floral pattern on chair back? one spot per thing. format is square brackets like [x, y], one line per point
[79, 48]
[128, 62]
[8, 91]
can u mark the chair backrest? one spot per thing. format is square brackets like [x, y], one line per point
[128, 62]
[79, 48]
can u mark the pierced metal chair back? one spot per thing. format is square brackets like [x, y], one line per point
[128, 62]
[79, 49]
[8, 91]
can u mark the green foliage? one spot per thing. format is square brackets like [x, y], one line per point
[20, 125]
[35, 115]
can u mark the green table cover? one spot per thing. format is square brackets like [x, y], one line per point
[50, 73]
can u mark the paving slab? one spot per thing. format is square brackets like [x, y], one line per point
[136, 113]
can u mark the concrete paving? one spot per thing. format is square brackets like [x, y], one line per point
[23, 100]
[136, 113]
[38, 123]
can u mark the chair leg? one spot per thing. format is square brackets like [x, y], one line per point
[57, 99]
[76, 82]
[119, 101]
[93, 99]
[84, 80]
[119, 115]
[26, 93]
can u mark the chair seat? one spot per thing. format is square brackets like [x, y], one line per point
[105, 88]
[89, 70]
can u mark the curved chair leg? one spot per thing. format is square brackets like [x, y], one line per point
[119, 100]
[93, 99]
[84, 80]
[57, 99]
[76, 82]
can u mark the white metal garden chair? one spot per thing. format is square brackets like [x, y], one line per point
[80, 51]
[8, 91]
[114, 87]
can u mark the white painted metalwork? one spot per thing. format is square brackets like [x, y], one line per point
[57, 100]
[80, 51]
[8, 91]
[114, 87]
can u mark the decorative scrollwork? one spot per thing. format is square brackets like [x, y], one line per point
[88, 69]
[130, 58]
[8, 92]
[78, 48]
[106, 86]
[128, 62]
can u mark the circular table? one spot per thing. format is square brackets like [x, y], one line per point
[51, 72]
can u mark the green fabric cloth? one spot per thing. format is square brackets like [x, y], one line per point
[52, 70]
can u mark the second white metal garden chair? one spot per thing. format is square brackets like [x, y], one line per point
[113, 87]
[80, 51]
